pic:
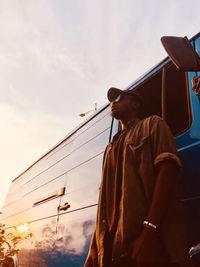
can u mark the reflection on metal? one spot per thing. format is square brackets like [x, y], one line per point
[50, 196]
[66, 247]
[64, 207]
[23, 228]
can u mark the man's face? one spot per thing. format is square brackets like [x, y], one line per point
[121, 106]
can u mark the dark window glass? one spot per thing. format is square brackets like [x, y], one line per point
[177, 104]
[177, 99]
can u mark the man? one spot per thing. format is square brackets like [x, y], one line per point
[139, 219]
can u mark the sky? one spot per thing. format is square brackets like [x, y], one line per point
[59, 57]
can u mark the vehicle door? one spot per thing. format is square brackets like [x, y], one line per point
[188, 143]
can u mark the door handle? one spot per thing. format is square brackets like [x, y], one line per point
[64, 207]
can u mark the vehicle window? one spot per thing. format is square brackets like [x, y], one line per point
[197, 45]
[177, 101]
[115, 128]
[178, 114]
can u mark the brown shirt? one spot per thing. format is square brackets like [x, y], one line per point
[113, 180]
[148, 143]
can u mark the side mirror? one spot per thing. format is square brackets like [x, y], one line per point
[181, 53]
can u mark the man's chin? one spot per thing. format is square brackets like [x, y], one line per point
[116, 115]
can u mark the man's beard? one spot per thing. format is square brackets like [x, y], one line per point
[116, 115]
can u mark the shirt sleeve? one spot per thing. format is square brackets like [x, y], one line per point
[163, 144]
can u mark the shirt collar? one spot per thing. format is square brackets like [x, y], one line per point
[132, 123]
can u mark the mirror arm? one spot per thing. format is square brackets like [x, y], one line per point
[196, 84]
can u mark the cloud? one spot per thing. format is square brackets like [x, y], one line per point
[53, 52]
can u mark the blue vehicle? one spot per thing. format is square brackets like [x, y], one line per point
[56, 197]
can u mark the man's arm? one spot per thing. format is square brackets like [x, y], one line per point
[148, 247]
[167, 178]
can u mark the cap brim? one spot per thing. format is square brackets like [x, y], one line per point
[113, 93]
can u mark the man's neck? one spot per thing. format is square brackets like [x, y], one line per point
[128, 123]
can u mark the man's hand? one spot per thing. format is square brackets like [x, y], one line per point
[148, 248]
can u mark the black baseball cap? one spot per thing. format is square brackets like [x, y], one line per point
[113, 93]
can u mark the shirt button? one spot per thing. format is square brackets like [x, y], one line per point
[103, 221]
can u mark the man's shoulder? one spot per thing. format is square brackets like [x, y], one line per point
[149, 122]
[144, 126]
[152, 119]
